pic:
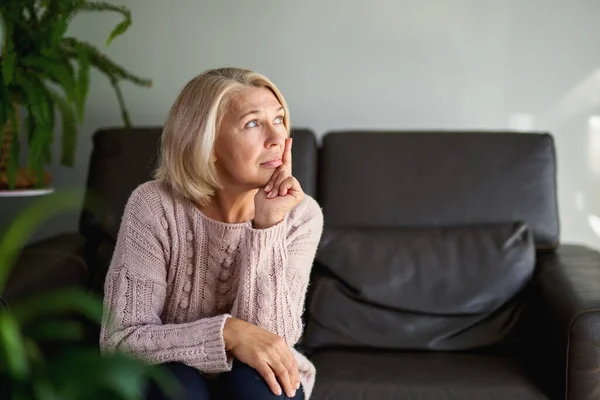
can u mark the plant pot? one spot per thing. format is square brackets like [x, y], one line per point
[26, 178]
[5, 143]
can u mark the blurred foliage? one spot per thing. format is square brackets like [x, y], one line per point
[44, 352]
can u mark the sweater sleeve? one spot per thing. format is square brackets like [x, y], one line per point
[275, 269]
[135, 292]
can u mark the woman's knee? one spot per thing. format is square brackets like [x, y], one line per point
[188, 384]
[244, 382]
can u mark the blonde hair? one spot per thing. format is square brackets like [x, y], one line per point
[188, 135]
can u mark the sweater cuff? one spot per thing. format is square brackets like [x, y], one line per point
[261, 239]
[217, 359]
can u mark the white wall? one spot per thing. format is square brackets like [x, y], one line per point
[413, 64]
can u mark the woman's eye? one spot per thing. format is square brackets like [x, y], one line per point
[278, 120]
[252, 124]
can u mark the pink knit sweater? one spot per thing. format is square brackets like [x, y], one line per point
[177, 275]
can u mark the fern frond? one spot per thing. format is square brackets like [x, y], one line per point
[69, 128]
[59, 70]
[38, 121]
[121, 100]
[9, 56]
[8, 115]
[103, 6]
[83, 79]
[101, 62]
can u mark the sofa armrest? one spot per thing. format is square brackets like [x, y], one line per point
[54, 263]
[568, 296]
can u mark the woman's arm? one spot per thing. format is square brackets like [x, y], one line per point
[135, 291]
[275, 268]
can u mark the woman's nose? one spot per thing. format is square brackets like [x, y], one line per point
[276, 136]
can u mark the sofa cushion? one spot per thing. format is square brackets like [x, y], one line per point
[424, 288]
[52, 264]
[422, 375]
[122, 159]
[430, 178]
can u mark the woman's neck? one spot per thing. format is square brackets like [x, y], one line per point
[231, 207]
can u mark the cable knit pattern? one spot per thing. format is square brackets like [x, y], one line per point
[177, 275]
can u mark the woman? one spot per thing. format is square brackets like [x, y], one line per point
[213, 257]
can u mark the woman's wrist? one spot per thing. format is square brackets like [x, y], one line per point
[258, 223]
[230, 332]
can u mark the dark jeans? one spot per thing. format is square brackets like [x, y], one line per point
[241, 383]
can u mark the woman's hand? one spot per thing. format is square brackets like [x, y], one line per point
[280, 195]
[264, 351]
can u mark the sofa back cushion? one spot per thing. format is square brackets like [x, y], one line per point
[122, 159]
[430, 179]
[445, 288]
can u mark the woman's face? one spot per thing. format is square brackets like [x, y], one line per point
[251, 139]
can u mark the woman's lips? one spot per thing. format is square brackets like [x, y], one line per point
[272, 164]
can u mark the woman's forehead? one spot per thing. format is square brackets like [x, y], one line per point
[250, 99]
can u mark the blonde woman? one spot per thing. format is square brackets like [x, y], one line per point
[213, 257]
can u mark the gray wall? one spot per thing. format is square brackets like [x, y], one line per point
[413, 64]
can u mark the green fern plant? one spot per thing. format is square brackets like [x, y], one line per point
[45, 71]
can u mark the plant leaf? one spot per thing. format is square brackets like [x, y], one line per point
[104, 6]
[38, 123]
[44, 390]
[121, 100]
[9, 57]
[69, 129]
[12, 347]
[15, 148]
[114, 72]
[8, 116]
[103, 63]
[56, 330]
[58, 70]
[8, 65]
[66, 300]
[83, 81]
[18, 232]
[119, 30]
[87, 370]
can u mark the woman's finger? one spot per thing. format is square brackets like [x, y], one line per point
[286, 185]
[283, 377]
[267, 373]
[271, 182]
[281, 177]
[292, 367]
[286, 159]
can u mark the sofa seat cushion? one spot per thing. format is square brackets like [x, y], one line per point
[448, 288]
[359, 375]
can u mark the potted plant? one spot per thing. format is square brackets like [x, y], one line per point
[44, 72]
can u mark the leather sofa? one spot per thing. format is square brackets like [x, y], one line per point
[440, 275]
